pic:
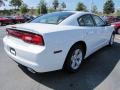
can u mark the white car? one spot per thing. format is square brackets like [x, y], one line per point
[57, 40]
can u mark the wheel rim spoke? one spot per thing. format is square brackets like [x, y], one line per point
[77, 52]
[77, 62]
[73, 64]
[76, 59]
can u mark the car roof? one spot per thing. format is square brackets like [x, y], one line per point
[75, 12]
[78, 12]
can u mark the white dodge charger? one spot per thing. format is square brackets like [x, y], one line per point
[57, 40]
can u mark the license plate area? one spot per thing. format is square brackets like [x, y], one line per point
[12, 51]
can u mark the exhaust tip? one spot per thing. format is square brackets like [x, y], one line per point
[31, 70]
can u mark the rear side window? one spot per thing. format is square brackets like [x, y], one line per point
[81, 22]
[98, 20]
[52, 18]
[86, 20]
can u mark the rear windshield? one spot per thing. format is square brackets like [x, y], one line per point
[52, 18]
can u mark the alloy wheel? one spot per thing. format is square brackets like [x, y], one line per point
[76, 59]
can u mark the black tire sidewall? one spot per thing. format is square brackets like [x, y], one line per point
[112, 36]
[67, 65]
[118, 31]
[0, 23]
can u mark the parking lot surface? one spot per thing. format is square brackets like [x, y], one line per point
[100, 71]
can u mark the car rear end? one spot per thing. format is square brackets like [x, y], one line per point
[25, 48]
[116, 25]
[8, 21]
[20, 19]
[4, 20]
[36, 44]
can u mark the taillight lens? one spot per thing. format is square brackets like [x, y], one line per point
[27, 37]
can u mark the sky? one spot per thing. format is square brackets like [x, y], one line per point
[71, 4]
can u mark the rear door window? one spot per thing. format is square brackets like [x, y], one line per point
[86, 20]
[98, 20]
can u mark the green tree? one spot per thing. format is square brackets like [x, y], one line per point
[32, 11]
[24, 9]
[81, 7]
[50, 9]
[118, 12]
[42, 7]
[55, 4]
[16, 3]
[63, 5]
[94, 9]
[6, 12]
[109, 7]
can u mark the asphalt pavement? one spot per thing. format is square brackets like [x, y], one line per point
[100, 71]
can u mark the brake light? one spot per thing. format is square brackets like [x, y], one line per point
[27, 37]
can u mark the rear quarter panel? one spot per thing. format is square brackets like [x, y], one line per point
[62, 40]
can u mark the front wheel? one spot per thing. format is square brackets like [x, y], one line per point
[74, 58]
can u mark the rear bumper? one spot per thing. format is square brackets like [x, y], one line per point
[24, 62]
[6, 21]
[39, 58]
[25, 56]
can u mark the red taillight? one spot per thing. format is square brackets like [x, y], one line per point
[27, 37]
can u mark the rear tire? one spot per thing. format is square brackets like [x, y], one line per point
[74, 59]
[0, 23]
[118, 31]
[111, 42]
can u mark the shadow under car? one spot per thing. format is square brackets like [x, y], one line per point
[93, 71]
